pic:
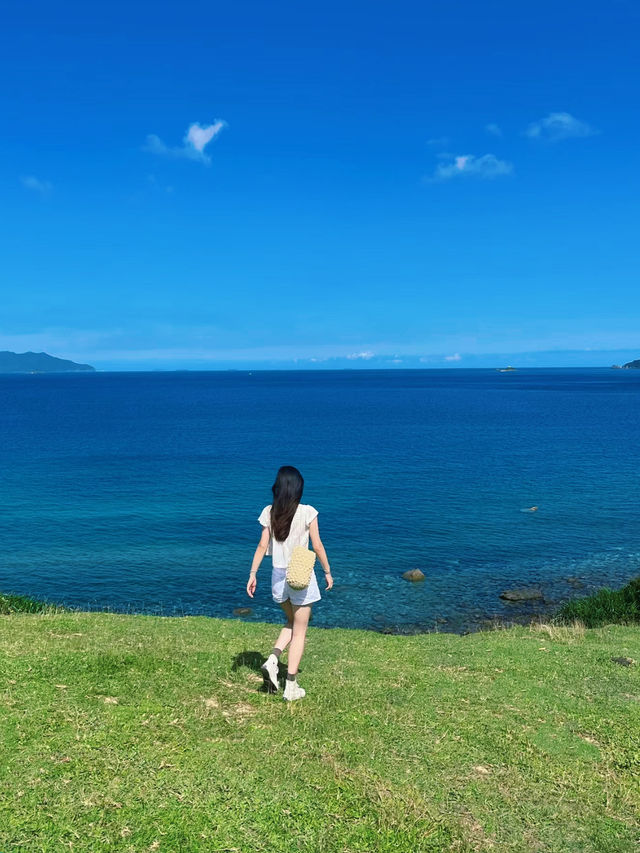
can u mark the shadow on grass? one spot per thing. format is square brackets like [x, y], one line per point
[252, 660]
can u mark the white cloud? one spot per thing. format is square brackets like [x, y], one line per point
[200, 136]
[468, 165]
[154, 145]
[493, 129]
[557, 126]
[364, 355]
[195, 141]
[455, 357]
[35, 184]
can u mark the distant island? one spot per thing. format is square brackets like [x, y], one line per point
[632, 364]
[38, 362]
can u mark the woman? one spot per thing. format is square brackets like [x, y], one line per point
[287, 523]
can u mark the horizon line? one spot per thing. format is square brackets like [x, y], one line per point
[316, 369]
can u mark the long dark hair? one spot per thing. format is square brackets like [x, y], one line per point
[287, 491]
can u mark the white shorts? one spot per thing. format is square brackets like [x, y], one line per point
[281, 591]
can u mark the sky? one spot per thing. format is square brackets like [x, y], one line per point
[327, 184]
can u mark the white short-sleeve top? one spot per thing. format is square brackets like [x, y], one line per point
[298, 535]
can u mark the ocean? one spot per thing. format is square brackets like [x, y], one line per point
[141, 491]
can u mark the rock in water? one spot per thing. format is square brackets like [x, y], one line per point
[242, 611]
[525, 593]
[413, 575]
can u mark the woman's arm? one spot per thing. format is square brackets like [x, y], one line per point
[261, 550]
[318, 547]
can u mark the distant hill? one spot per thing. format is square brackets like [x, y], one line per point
[632, 364]
[38, 362]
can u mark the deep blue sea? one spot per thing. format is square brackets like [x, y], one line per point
[141, 491]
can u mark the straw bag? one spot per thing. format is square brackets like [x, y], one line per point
[300, 567]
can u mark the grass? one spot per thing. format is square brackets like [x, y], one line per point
[144, 733]
[23, 604]
[606, 606]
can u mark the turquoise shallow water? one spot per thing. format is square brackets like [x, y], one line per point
[141, 490]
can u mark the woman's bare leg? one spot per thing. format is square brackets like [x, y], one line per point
[301, 614]
[270, 666]
[284, 637]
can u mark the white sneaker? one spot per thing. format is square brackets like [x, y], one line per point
[270, 673]
[293, 691]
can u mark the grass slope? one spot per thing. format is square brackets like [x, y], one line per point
[139, 733]
[621, 606]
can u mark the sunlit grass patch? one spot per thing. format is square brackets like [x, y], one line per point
[144, 732]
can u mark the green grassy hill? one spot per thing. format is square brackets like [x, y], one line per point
[143, 733]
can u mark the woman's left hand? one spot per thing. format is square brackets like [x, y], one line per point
[251, 585]
[329, 580]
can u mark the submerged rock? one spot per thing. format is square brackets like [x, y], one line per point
[525, 593]
[413, 575]
[242, 611]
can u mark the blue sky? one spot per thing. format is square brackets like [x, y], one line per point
[321, 184]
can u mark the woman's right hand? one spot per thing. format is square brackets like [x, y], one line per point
[251, 585]
[329, 579]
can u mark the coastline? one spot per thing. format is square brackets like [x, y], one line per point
[139, 492]
[524, 611]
